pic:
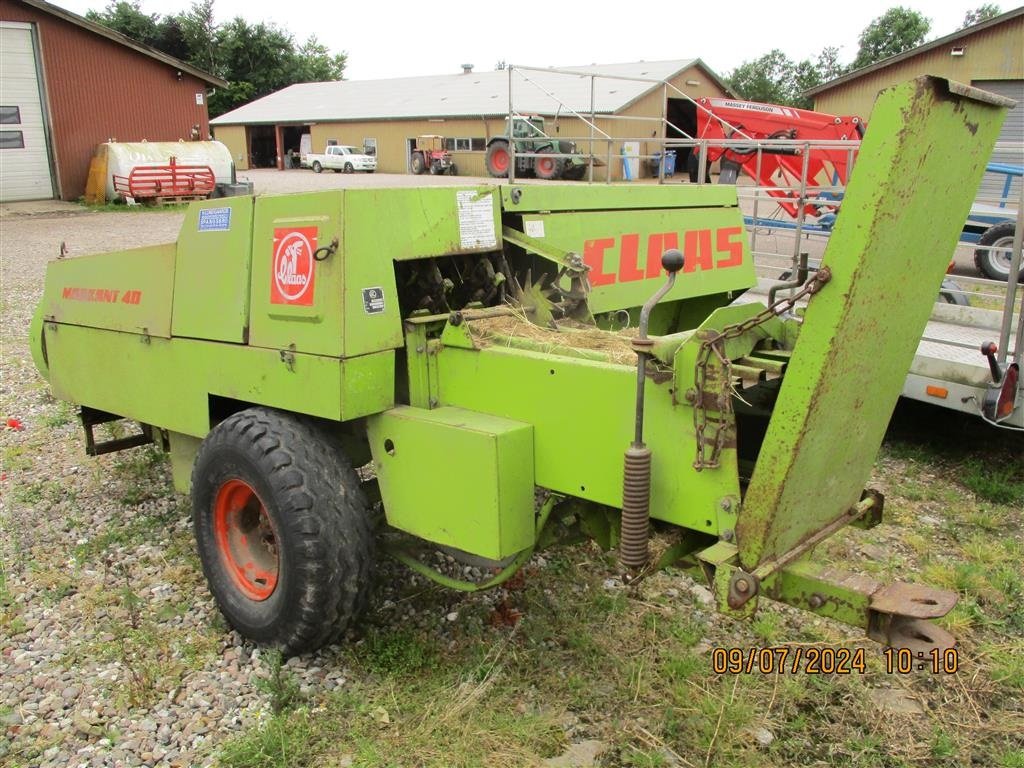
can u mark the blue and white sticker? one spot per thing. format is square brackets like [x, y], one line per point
[214, 219]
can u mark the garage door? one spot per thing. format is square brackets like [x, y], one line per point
[24, 157]
[1010, 148]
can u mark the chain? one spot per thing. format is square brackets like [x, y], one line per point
[712, 344]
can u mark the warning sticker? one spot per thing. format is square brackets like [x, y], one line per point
[291, 270]
[215, 220]
[535, 228]
[373, 300]
[476, 220]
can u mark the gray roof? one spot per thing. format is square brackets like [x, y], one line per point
[127, 42]
[460, 95]
[895, 59]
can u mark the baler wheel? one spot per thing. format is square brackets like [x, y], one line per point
[282, 528]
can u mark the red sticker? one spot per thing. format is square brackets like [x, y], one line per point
[291, 271]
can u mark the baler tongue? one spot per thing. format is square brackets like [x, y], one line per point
[918, 168]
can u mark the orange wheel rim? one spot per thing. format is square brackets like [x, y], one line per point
[546, 165]
[246, 539]
[500, 160]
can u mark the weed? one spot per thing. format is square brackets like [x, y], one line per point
[59, 416]
[282, 742]
[14, 458]
[396, 653]
[280, 685]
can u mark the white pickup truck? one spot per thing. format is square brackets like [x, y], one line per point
[339, 158]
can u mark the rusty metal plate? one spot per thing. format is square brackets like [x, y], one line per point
[913, 600]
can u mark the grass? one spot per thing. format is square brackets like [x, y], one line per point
[630, 666]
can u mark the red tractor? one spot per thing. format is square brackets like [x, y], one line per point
[429, 154]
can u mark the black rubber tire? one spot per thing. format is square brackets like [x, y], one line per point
[348, 168]
[317, 167]
[993, 265]
[417, 163]
[495, 148]
[321, 520]
[453, 170]
[548, 168]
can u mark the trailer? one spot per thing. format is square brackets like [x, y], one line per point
[460, 347]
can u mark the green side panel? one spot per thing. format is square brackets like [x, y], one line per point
[456, 477]
[383, 226]
[416, 223]
[316, 327]
[582, 414]
[623, 250]
[211, 278]
[554, 196]
[122, 374]
[124, 291]
[917, 172]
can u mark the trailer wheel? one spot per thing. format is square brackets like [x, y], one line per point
[995, 265]
[282, 528]
[498, 159]
[418, 164]
[317, 167]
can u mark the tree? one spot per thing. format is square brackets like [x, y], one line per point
[128, 19]
[776, 79]
[980, 14]
[898, 29]
[256, 59]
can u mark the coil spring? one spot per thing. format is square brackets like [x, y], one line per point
[636, 507]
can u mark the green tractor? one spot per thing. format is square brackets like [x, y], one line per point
[529, 137]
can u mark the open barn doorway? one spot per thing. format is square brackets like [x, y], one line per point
[682, 118]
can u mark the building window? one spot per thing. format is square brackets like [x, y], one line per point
[465, 145]
[12, 140]
[10, 115]
[370, 147]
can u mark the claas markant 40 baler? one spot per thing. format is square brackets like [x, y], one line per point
[463, 346]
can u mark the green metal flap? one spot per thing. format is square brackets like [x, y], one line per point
[919, 166]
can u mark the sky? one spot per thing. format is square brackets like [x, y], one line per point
[393, 39]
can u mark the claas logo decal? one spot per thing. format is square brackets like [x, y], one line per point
[703, 249]
[291, 270]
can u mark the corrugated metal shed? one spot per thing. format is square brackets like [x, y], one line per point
[473, 94]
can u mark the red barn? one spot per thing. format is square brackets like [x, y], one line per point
[68, 84]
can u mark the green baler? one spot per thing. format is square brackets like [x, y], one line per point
[461, 343]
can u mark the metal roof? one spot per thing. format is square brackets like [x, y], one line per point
[117, 37]
[958, 35]
[472, 94]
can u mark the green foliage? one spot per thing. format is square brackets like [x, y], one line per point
[280, 686]
[255, 59]
[776, 79]
[897, 30]
[980, 14]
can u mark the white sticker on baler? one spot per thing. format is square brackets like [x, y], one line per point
[476, 219]
[535, 228]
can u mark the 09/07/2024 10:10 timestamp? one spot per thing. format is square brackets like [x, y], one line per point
[825, 660]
